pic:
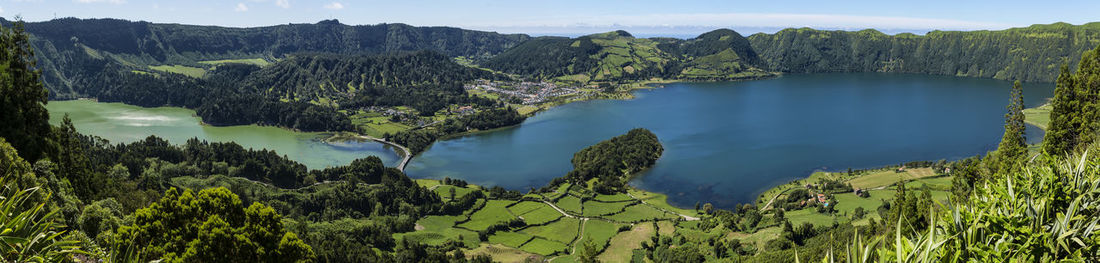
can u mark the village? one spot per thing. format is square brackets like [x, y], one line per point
[527, 92]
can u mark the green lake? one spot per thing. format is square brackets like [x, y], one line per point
[119, 122]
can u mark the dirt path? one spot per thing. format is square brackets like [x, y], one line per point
[769, 204]
[580, 236]
[561, 211]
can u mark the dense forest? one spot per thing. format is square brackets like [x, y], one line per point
[71, 50]
[1028, 54]
[427, 81]
[288, 93]
[616, 160]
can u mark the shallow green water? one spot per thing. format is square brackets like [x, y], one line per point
[119, 122]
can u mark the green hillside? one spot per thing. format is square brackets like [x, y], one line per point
[1029, 54]
[73, 52]
[619, 56]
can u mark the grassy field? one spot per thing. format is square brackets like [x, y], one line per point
[444, 191]
[692, 233]
[798, 217]
[666, 228]
[562, 189]
[527, 109]
[640, 212]
[564, 230]
[570, 204]
[185, 70]
[594, 208]
[846, 204]
[511, 239]
[758, 238]
[493, 212]
[254, 61]
[1040, 116]
[435, 230]
[380, 130]
[526, 206]
[613, 198]
[942, 183]
[502, 253]
[660, 201]
[428, 183]
[484, 94]
[622, 245]
[599, 231]
[888, 177]
[544, 247]
[376, 125]
[548, 232]
[541, 215]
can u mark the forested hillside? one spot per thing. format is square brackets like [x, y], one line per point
[68, 197]
[619, 56]
[74, 52]
[425, 80]
[1029, 54]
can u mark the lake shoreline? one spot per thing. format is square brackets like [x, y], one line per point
[519, 150]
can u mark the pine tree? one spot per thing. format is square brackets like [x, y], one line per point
[1013, 147]
[1060, 134]
[23, 104]
[1076, 107]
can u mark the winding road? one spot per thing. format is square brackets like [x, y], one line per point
[407, 153]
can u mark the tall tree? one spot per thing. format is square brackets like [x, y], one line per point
[589, 252]
[1060, 134]
[1075, 117]
[73, 163]
[23, 104]
[1013, 147]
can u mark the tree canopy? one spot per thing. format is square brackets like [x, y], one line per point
[208, 226]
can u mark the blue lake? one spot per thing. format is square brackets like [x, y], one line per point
[727, 142]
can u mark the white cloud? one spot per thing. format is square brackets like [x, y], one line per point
[241, 7]
[283, 3]
[100, 1]
[334, 6]
[1, 10]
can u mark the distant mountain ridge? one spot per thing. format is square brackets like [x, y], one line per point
[73, 51]
[618, 56]
[1031, 53]
[76, 54]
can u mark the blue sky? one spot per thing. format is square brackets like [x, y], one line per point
[570, 17]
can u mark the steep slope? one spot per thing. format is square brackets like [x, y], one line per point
[719, 54]
[616, 56]
[72, 52]
[315, 77]
[1030, 53]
